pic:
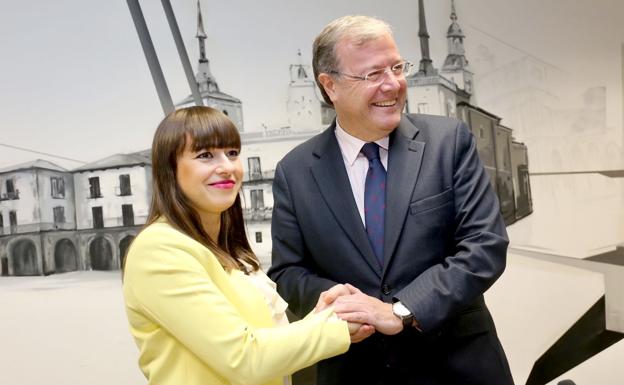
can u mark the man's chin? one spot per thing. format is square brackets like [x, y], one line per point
[388, 124]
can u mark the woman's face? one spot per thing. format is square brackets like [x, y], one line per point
[210, 178]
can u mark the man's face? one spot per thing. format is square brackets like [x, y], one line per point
[367, 111]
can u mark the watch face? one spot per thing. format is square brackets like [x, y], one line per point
[400, 310]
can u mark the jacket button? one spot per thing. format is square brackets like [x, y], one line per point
[386, 289]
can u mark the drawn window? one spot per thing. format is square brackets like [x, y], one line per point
[13, 221]
[124, 185]
[258, 237]
[255, 172]
[58, 187]
[98, 217]
[10, 190]
[94, 187]
[127, 213]
[257, 199]
[59, 214]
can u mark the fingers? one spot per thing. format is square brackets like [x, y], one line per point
[353, 327]
[362, 333]
[352, 289]
[357, 317]
[336, 292]
[355, 302]
[329, 296]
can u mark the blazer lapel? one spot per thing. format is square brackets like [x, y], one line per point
[404, 161]
[333, 182]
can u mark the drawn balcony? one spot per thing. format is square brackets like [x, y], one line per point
[8, 196]
[258, 215]
[256, 177]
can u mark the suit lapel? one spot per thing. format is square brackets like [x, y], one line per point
[404, 161]
[333, 182]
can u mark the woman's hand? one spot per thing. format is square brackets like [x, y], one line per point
[328, 297]
[357, 331]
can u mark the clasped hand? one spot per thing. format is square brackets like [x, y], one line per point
[364, 314]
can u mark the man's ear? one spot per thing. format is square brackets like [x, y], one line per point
[328, 84]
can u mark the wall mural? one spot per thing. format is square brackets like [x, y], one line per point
[539, 84]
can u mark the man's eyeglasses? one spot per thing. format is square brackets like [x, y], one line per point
[399, 70]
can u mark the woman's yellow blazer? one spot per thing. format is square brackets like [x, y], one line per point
[194, 323]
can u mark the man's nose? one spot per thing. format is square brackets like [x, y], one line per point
[391, 81]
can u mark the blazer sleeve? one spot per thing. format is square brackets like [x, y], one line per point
[296, 280]
[479, 243]
[174, 290]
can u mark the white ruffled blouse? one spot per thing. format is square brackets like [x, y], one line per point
[268, 288]
[274, 301]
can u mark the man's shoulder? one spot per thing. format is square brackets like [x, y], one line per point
[306, 149]
[433, 122]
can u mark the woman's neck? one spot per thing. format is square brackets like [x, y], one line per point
[212, 225]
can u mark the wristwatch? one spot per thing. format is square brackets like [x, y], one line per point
[403, 314]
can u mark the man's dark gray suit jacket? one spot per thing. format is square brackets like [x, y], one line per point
[445, 245]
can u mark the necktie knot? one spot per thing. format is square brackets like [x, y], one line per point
[370, 151]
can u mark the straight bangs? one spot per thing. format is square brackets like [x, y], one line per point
[208, 131]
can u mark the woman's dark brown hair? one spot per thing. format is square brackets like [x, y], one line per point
[206, 128]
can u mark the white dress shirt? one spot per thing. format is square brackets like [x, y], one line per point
[356, 163]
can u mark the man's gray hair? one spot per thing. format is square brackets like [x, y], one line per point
[357, 28]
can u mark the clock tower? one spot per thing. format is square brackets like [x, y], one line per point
[306, 110]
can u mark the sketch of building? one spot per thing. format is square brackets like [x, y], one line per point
[430, 91]
[455, 66]
[306, 108]
[109, 198]
[59, 220]
[562, 135]
[36, 219]
[208, 87]
[308, 115]
[449, 92]
[112, 202]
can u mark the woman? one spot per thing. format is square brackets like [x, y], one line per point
[199, 308]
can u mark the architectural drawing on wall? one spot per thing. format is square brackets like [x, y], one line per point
[37, 219]
[550, 72]
[209, 90]
[60, 220]
[575, 157]
[450, 92]
[447, 92]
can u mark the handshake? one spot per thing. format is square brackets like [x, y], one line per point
[364, 314]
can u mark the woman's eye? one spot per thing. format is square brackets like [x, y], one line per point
[204, 155]
[233, 153]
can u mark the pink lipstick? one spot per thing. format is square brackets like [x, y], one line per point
[224, 184]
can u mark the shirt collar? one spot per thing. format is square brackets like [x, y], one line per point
[351, 146]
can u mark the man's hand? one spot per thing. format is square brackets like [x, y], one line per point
[361, 308]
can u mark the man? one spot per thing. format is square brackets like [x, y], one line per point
[409, 222]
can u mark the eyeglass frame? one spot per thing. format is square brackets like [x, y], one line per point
[365, 78]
